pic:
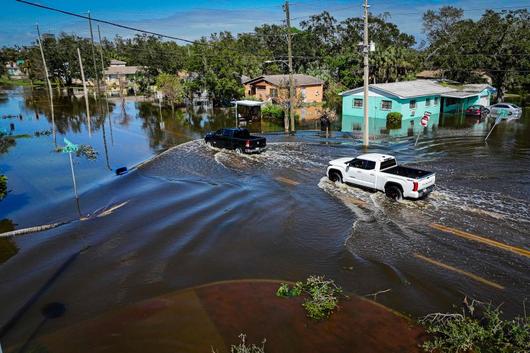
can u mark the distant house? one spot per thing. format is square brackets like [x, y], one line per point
[15, 71]
[412, 99]
[267, 87]
[120, 78]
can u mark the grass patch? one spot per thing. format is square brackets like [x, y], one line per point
[9, 82]
[478, 329]
[243, 347]
[322, 296]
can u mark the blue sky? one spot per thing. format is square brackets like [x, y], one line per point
[193, 19]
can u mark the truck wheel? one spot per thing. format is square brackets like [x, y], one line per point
[239, 151]
[335, 176]
[394, 193]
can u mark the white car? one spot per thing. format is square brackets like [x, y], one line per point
[381, 172]
[507, 110]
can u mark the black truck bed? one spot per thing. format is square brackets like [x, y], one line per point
[407, 172]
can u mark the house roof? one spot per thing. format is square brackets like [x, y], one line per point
[283, 80]
[122, 70]
[117, 62]
[459, 94]
[407, 89]
[248, 103]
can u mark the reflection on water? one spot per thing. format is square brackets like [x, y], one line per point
[7, 247]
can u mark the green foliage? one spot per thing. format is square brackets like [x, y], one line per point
[487, 333]
[3, 187]
[393, 120]
[321, 296]
[496, 44]
[272, 111]
[170, 85]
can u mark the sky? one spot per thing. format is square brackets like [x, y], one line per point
[192, 19]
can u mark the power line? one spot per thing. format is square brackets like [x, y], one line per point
[110, 23]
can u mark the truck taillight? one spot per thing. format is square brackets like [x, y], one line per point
[415, 187]
[247, 144]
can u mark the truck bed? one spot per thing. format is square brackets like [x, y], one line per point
[407, 172]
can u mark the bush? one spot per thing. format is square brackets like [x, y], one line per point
[485, 333]
[272, 111]
[243, 347]
[393, 120]
[322, 296]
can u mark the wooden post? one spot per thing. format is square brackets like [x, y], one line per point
[86, 93]
[50, 92]
[292, 92]
[73, 175]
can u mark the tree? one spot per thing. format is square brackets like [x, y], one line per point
[497, 44]
[171, 87]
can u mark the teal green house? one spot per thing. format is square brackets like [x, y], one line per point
[410, 98]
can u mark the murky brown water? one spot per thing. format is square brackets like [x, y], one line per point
[196, 215]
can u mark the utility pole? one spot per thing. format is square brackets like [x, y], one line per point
[366, 50]
[93, 54]
[291, 80]
[49, 84]
[85, 92]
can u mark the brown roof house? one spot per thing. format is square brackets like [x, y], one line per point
[267, 87]
[120, 78]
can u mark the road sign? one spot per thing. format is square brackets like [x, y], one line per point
[70, 147]
[424, 121]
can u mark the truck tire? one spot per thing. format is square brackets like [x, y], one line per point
[394, 192]
[239, 151]
[335, 176]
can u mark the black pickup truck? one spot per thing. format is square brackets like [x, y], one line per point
[236, 139]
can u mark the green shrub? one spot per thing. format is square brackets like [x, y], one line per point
[393, 120]
[484, 333]
[322, 296]
[272, 111]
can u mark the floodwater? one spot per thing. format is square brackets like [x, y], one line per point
[195, 215]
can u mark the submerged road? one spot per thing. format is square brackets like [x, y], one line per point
[197, 215]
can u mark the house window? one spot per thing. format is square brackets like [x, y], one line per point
[427, 102]
[436, 100]
[412, 104]
[386, 105]
[274, 92]
[357, 103]
[260, 88]
[451, 101]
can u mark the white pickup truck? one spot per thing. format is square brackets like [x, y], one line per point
[381, 172]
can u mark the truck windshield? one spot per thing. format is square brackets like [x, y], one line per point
[388, 164]
[242, 134]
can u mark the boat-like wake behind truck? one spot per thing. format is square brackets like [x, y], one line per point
[381, 172]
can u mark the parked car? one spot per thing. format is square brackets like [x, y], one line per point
[477, 110]
[237, 139]
[381, 172]
[508, 110]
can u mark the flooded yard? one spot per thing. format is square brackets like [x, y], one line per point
[195, 215]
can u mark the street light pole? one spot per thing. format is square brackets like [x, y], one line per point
[366, 49]
[290, 55]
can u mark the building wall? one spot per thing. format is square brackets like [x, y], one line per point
[312, 94]
[377, 111]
